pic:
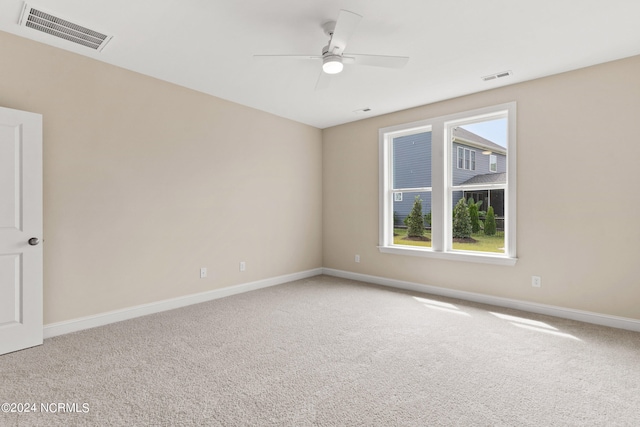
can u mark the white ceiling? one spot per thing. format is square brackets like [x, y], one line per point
[209, 46]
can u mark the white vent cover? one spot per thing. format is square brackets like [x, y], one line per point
[497, 76]
[49, 24]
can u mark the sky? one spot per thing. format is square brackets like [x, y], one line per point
[493, 130]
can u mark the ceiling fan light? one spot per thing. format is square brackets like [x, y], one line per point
[332, 64]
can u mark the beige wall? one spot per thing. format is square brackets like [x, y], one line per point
[578, 204]
[145, 182]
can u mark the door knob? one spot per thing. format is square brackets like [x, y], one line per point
[34, 241]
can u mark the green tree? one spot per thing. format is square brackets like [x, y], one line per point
[427, 219]
[415, 221]
[490, 223]
[461, 220]
[473, 215]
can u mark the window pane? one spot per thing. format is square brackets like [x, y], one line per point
[478, 192]
[460, 158]
[406, 231]
[412, 161]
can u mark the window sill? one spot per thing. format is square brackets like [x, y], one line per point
[451, 256]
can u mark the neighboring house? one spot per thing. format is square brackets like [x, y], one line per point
[475, 161]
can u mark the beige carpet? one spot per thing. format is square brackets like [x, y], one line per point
[331, 352]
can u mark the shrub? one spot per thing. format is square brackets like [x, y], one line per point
[490, 223]
[461, 220]
[427, 219]
[415, 221]
[473, 215]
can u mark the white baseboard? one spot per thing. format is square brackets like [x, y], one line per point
[74, 325]
[550, 310]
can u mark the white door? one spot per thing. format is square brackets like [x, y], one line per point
[20, 230]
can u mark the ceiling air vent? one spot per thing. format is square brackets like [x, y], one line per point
[52, 25]
[497, 76]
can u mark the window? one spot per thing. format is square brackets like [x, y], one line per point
[457, 174]
[466, 159]
[411, 159]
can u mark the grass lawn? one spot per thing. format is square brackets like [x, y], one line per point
[399, 233]
[483, 244]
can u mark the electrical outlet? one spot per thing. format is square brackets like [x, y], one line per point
[357, 259]
[243, 266]
[536, 281]
[203, 272]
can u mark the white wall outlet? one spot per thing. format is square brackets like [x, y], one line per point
[203, 272]
[357, 258]
[243, 266]
[536, 281]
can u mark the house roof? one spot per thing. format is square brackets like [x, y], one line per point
[466, 137]
[487, 178]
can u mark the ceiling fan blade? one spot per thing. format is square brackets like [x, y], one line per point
[287, 56]
[323, 81]
[376, 60]
[345, 26]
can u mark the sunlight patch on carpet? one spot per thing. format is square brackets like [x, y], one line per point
[533, 325]
[442, 306]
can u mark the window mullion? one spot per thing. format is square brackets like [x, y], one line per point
[385, 201]
[438, 173]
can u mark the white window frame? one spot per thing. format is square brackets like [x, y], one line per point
[442, 159]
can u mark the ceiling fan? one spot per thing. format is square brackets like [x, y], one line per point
[333, 54]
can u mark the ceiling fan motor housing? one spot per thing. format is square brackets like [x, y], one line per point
[332, 64]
